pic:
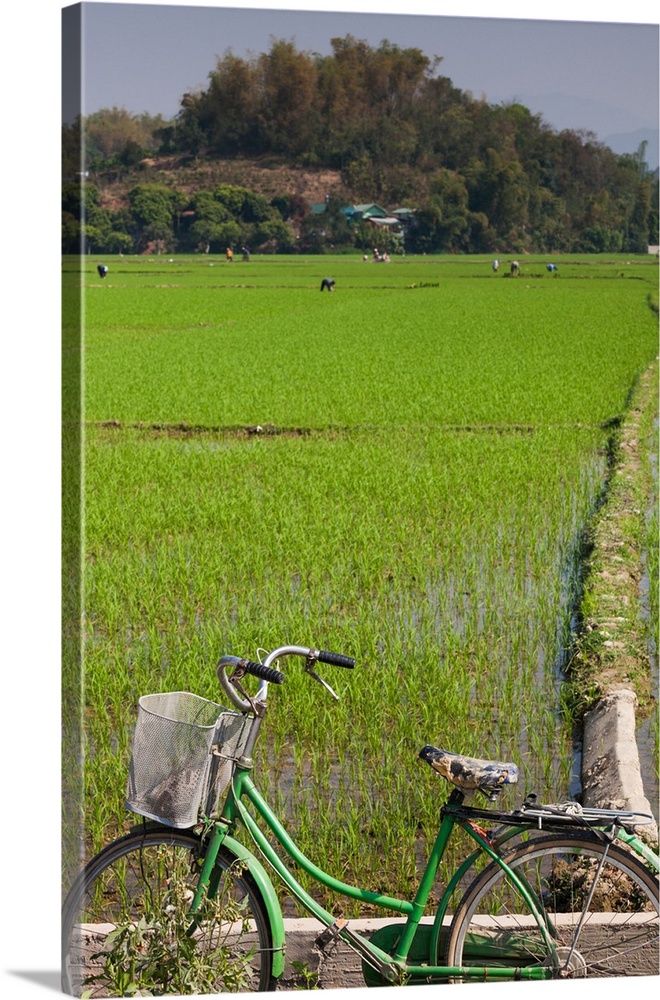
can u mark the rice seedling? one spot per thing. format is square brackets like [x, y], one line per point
[416, 498]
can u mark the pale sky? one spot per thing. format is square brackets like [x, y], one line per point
[602, 77]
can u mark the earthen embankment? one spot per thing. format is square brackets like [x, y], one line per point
[612, 669]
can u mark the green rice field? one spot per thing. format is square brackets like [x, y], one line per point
[401, 471]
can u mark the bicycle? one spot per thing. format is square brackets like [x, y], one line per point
[558, 891]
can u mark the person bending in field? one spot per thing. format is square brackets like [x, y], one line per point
[328, 283]
[102, 269]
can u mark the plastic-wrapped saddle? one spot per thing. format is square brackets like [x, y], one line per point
[469, 773]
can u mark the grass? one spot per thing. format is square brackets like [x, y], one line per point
[618, 608]
[434, 443]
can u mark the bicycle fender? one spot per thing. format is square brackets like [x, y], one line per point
[271, 902]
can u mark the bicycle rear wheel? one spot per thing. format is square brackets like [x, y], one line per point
[600, 903]
[125, 922]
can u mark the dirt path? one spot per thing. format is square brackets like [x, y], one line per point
[611, 674]
[613, 647]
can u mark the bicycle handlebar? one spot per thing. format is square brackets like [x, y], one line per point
[268, 674]
[262, 671]
[336, 659]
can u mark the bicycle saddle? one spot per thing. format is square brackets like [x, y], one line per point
[467, 773]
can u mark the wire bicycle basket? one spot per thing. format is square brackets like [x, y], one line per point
[184, 749]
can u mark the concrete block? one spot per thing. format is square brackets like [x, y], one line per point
[611, 777]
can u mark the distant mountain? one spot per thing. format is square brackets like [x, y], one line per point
[629, 142]
[621, 130]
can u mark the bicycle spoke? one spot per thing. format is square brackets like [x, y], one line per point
[600, 905]
[127, 927]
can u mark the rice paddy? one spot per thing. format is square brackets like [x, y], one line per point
[401, 471]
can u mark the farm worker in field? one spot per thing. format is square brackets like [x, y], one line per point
[496, 265]
[102, 269]
[230, 255]
[515, 267]
[246, 253]
[328, 283]
[551, 267]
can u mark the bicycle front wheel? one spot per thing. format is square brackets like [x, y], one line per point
[598, 902]
[126, 922]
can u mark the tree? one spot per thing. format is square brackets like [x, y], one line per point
[231, 108]
[271, 235]
[481, 236]
[637, 239]
[187, 134]
[549, 222]
[343, 101]
[442, 220]
[213, 236]
[653, 213]
[290, 206]
[71, 234]
[230, 216]
[72, 161]
[498, 189]
[396, 78]
[599, 239]
[153, 209]
[288, 99]
[110, 131]
[131, 154]
[74, 195]
[336, 224]
[243, 204]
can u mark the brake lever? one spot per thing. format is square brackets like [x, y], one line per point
[310, 670]
[235, 680]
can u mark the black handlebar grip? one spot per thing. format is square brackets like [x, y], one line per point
[262, 671]
[336, 659]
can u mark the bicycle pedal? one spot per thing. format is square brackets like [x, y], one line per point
[330, 934]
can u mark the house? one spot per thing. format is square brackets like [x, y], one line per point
[354, 213]
[374, 215]
[365, 213]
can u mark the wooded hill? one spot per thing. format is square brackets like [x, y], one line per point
[245, 159]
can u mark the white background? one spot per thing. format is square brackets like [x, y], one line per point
[29, 866]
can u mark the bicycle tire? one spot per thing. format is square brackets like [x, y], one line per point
[492, 926]
[151, 876]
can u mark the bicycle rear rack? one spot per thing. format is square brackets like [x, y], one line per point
[554, 816]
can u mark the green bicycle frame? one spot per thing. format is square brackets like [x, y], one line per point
[393, 967]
